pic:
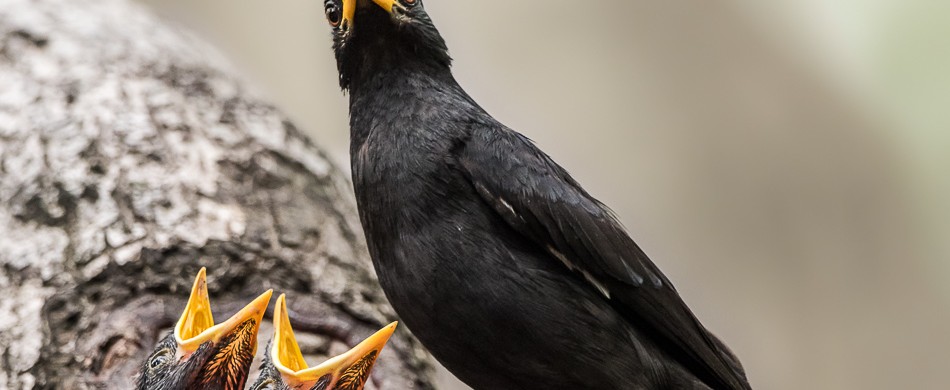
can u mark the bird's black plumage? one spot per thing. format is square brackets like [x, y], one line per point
[503, 266]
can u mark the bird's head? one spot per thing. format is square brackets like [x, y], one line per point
[374, 35]
[284, 367]
[201, 354]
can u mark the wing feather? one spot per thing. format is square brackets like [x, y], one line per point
[540, 200]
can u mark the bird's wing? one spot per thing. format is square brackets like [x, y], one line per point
[540, 200]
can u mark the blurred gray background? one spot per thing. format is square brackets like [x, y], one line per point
[786, 163]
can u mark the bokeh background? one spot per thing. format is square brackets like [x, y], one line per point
[785, 162]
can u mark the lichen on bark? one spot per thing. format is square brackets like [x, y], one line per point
[130, 156]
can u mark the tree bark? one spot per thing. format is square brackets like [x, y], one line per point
[130, 156]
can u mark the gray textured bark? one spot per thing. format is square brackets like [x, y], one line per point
[130, 155]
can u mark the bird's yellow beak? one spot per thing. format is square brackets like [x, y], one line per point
[347, 371]
[349, 9]
[196, 325]
[387, 4]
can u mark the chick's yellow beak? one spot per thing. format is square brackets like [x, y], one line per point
[349, 370]
[196, 325]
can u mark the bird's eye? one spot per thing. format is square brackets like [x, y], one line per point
[410, 3]
[333, 13]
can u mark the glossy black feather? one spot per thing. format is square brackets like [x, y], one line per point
[540, 200]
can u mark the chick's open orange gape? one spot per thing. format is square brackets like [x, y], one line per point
[200, 354]
[196, 325]
[348, 371]
[235, 339]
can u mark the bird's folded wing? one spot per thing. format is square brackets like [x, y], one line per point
[541, 201]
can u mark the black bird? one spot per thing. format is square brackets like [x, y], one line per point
[284, 367]
[509, 272]
[201, 355]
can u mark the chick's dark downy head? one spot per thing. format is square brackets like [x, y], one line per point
[372, 35]
[201, 355]
[284, 367]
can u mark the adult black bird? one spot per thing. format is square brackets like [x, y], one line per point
[201, 355]
[508, 271]
[284, 367]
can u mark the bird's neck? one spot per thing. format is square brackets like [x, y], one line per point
[389, 75]
[394, 74]
[380, 48]
[380, 64]
[392, 85]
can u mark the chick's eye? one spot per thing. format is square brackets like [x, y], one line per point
[333, 13]
[266, 384]
[159, 359]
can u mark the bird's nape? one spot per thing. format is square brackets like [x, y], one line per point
[349, 370]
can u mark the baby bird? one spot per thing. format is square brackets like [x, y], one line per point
[201, 355]
[284, 367]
